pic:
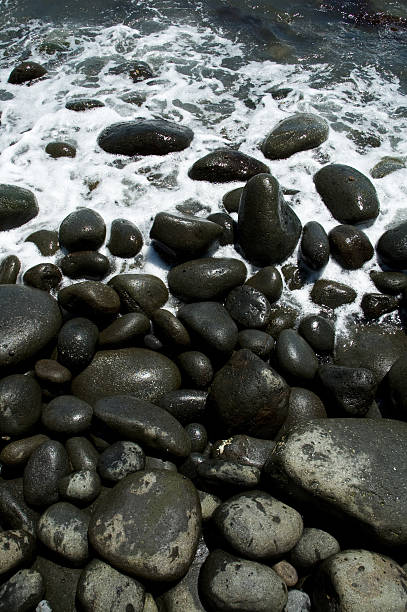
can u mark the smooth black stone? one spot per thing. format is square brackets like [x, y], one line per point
[393, 283]
[125, 331]
[260, 343]
[314, 245]
[45, 240]
[91, 299]
[22, 592]
[300, 132]
[82, 230]
[243, 449]
[319, 332]
[206, 278]
[139, 292]
[183, 236]
[82, 454]
[46, 466]
[186, 405]
[77, 341]
[153, 343]
[211, 323]
[332, 294]
[225, 166]
[9, 269]
[15, 514]
[198, 436]
[221, 472]
[20, 404]
[169, 329]
[348, 390]
[17, 206]
[268, 229]
[67, 414]
[231, 200]
[29, 320]
[303, 405]
[282, 317]
[295, 358]
[63, 529]
[120, 459]
[137, 71]
[347, 193]
[248, 396]
[139, 372]
[392, 246]
[60, 149]
[190, 466]
[85, 264]
[83, 104]
[197, 368]
[267, 280]
[374, 305]
[248, 307]
[350, 246]
[44, 276]
[17, 453]
[396, 384]
[145, 137]
[295, 276]
[51, 372]
[125, 240]
[228, 227]
[26, 71]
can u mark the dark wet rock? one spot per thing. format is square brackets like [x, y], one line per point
[125, 240]
[189, 468]
[22, 592]
[102, 588]
[80, 487]
[29, 319]
[268, 229]
[295, 358]
[77, 342]
[85, 264]
[50, 372]
[348, 390]
[332, 294]
[16, 548]
[392, 246]
[153, 343]
[60, 149]
[125, 331]
[319, 332]
[396, 384]
[137, 71]
[249, 397]
[25, 72]
[345, 581]
[258, 526]
[89, 299]
[183, 236]
[60, 583]
[231, 200]
[44, 276]
[267, 280]
[45, 240]
[350, 246]
[316, 461]
[139, 292]
[145, 137]
[287, 573]
[17, 206]
[153, 463]
[303, 405]
[198, 436]
[82, 230]
[20, 404]
[15, 514]
[19, 451]
[186, 405]
[348, 194]
[386, 166]
[170, 329]
[282, 317]
[243, 449]
[313, 547]
[206, 278]
[248, 307]
[67, 414]
[374, 305]
[295, 276]
[392, 283]
[82, 454]
[83, 104]
[228, 227]
[63, 528]
[138, 508]
[211, 323]
[315, 245]
[228, 473]
[140, 421]
[225, 166]
[300, 132]
[9, 269]
[197, 368]
[46, 466]
[120, 459]
[231, 583]
[260, 343]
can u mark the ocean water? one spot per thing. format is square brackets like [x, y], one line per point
[216, 64]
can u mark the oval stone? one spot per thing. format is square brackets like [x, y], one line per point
[300, 132]
[226, 165]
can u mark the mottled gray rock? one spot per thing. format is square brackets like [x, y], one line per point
[139, 292]
[63, 528]
[80, 487]
[209, 503]
[243, 449]
[226, 165]
[211, 323]
[297, 601]
[229, 473]
[313, 547]
[120, 459]
[16, 547]
[20, 404]
[46, 466]
[386, 166]
[60, 583]
[300, 132]
[22, 592]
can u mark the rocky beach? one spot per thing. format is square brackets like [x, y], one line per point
[203, 296]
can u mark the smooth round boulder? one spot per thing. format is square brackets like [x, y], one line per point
[67, 414]
[392, 283]
[91, 299]
[139, 292]
[25, 72]
[314, 246]
[85, 264]
[17, 206]
[300, 132]
[120, 459]
[77, 340]
[9, 269]
[295, 358]
[22, 592]
[20, 404]
[129, 527]
[350, 246]
[347, 193]
[82, 230]
[211, 324]
[125, 331]
[125, 240]
[319, 332]
[44, 276]
[332, 294]
[392, 246]
[63, 528]
[145, 137]
[169, 329]
[45, 240]
[248, 307]
[267, 280]
[60, 149]
[47, 464]
[313, 547]
[29, 320]
[196, 367]
[228, 227]
[226, 165]
[259, 342]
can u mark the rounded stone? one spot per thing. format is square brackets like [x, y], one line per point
[260, 343]
[319, 332]
[82, 230]
[393, 283]
[82, 454]
[313, 547]
[85, 264]
[139, 292]
[350, 246]
[17, 206]
[226, 165]
[186, 405]
[248, 307]
[211, 323]
[294, 356]
[45, 240]
[282, 317]
[20, 404]
[125, 331]
[286, 572]
[63, 528]
[228, 227]
[90, 298]
[77, 342]
[332, 294]
[16, 548]
[19, 451]
[300, 132]
[67, 414]
[129, 526]
[47, 464]
[303, 405]
[22, 592]
[392, 246]
[83, 104]
[198, 436]
[269, 282]
[60, 149]
[80, 487]
[169, 329]
[315, 245]
[125, 240]
[44, 276]
[51, 372]
[197, 368]
[374, 305]
[231, 200]
[9, 269]
[26, 71]
[120, 459]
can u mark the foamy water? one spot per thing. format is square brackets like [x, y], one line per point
[203, 81]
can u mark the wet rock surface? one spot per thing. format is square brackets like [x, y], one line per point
[297, 133]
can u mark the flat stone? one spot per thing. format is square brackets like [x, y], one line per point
[226, 165]
[332, 294]
[145, 137]
[300, 132]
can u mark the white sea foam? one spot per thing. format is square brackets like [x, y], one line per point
[223, 106]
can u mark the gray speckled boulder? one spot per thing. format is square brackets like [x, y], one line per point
[63, 528]
[16, 547]
[22, 592]
[17, 206]
[338, 463]
[313, 547]
[140, 372]
[145, 137]
[130, 524]
[300, 132]
[225, 165]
